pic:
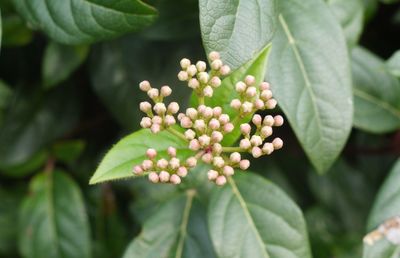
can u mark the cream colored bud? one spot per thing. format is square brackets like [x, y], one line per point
[266, 131]
[258, 104]
[228, 171]
[217, 148]
[217, 111]
[153, 177]
[175, 179]
[266, 95]
[204, 140]
[146, 122]
[180, 116]
[256, 152]
[203, 77]
[201, 109]
[190, 134]
[250, 80]
[257, 120]
[137, 170]
[165, 91]
[199, 125]
[155, 128]
[185, 63]
[215, 82]
[208, 91]
[220, 181]
[156, 120]
[193, 83]
[268, 148]
[236, 104]
[174, 163]
[264, 86]
[171, 151]
[244, 164]
[145, 86]
[225, 70]
[214, 124]
[271, 104]
[212, 175]
[160, 108]
[223, 119]
[194, 145]
[169, 120]
[213, 55]
[201, 66]
[278, 143]
[235, 157]
[153, 93]
[182, 171]
[191, 70]
[186, 122]
[228, 127]
[256, 140]
[191, 162]
[208, 112]
[251, 92]
[173, 107]
[216, 64]
[247, 107]
[207, 158]
[268, 120]
[278, 120]
[145, 106]
[192, 113]
[162, 163]
[147, 164]
[183, 76]
[240, 87]
[164, 176]
[216, 136]
[245, 144]
[218, 162]
[245, 129]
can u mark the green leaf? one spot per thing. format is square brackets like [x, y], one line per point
[68, 151]
[350, 14]
[60, 61]
[131, 150]
[5, 97]
[53, 220]
[33, 164]
[393, 64]
[178, 229]
[386, 206]
[237, 29]
[251, 217]
[15, 32]
[85, 21]
[376, 94]
[371, 6]
[310, 77]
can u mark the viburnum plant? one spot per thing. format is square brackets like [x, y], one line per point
[205, 126]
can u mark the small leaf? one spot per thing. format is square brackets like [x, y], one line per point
[386, 206]
[131, 150]
[251, 217]
[178, 230]
[376, 94]
[60, 61]
[310, 77]
[393, 64]
[85, 21]
[237, 29]
[68, 151]
[53, 220]
[15, 32]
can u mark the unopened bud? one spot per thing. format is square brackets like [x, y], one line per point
[244, 164]
[201, 109]
[151, 153]
[183, 76]
[228, 127]
[173, 107]
[185, 63]
[245, 129]
[215, 82]
[191, 162]
[214, 124]
[216, 64]
[145, 106]
[266, 95]
[264, 86]
[137, 170]
[256, 152]
[217, 148]
[216, 136]
[162, 163]
[174, 163]
[156, 120]
[213, 55]
[212, 175]
[250, 80]
[153, 93]
[225, 70]
[236, 104]
[207, 158]
[199, 125]
[278, 120]
[147, 164]
[268, 121]
[155, 128]
[193, 83]
[186, 122]
[182, 171]
[245, 144]
[258, 104]
[256, 120]
[203, 77]
[145, 122]
[247, 107]
[271, 104]
[194, 145]
[175, 179]
[217, 111]
[240, 87]
[208, 91]
[278, 143]
[165, 91]
[256, 140]
[190, 134]
[164, 176]
[218, 162]
[191, 70]
[153, 177]
[160, 108]
[235, 157]
[266, 131]
[223, 119]
[268, 148]
[169, 120]
[204, 140]
[208, 112]
[171, 151]
[145, 86]
[201, 66]
[251, 91]
[221, 180]
[228, 171]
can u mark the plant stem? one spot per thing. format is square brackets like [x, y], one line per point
[232, 149]
[201, 100]
[176, 133]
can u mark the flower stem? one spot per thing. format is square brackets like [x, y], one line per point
[232, 149]
[201, 100]
[176, 133]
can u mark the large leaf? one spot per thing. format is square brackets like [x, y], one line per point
[5, 97]
[85, 21]
[393, 64]
[53, 220]
[251, 217]
[376, 94]
[131, 150]
[386, 206]
[237, 29]
[309, 72]
[178, 229]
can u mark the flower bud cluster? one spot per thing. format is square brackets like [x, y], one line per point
[163, 170]
[159, 116]
[254, 144]
[201, 81]
[252, 98]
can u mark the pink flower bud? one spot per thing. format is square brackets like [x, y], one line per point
[182, 171]
[215, 82]
[153, 93]
[199, 125]
[185, 63]
[204, 140]
[225, 70]
[240, 87]
[169, 120]
[156, 120]
[244, 164]
[208, 91]
[245, 129]
[207, 158]
[203, 77]
[218, 162]
[256, 140]
[191, 162]
[175, 179]
[223, 119]
[151, 153]
[271, 104]
[245, 144]
[137, 170]
[268, 121]
[257, 120]
[171, 151]
[164, 176]
[251, 92]
[183, 76]
[221, 180]
[236, 104]
[153, 177]
[228, 127]
[228, 171]
[278, 143]
[162, 163]
[213, 55]
[266, 131]
[268, 148]
[201, 66]
[235, 157]
[155, 128]
[190, 134]
[174, 163]
[160, 108]
[194, 145]
[192, 113]
[145, 106]
[180, 116]
[216, 64]
[173, 107]
[266, 95]
[146, 122]
[165, 91]
[191, 70]
[264, 86]
[217, 148]
[186, 122]
[214, 124]
[278, 120]
[147, 164]
[256, 152]
[250, 80]
[208, 112]
[217, 111]
[193, 83]
[145, 86]
[216, 136]
[258, 104]
[212, 175]
[247, 107]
